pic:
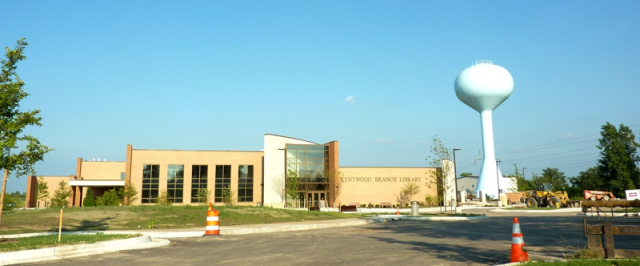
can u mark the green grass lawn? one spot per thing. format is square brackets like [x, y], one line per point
[599, 262]
[630, 210]
[36, 242]
[145, 217]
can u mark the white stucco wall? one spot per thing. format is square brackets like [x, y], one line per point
[274, 166]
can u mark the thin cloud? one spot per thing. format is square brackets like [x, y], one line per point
[350, 99]
[570, 135]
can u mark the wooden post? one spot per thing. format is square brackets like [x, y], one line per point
[608, 237]
[60, 227]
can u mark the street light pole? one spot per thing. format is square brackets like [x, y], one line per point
[498, 176]
[455, 172]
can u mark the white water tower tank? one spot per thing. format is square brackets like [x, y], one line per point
[484, 86]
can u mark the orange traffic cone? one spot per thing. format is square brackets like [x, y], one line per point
[518, 248]
[397, 210]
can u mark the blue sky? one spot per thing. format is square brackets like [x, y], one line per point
[375, 75]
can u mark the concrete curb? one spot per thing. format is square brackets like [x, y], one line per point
[71, 251]
[300, 227]
[564, 210]
[429, 218]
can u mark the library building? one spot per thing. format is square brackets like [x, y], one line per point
[255, 178]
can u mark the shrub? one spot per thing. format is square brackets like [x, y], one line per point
[228, 196]
[377, 205]
[109, 198]
[88, 199]
[203, 195]
[163, 199]
[363, 205]
[431, 200]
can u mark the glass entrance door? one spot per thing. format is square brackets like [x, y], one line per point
[316, 199]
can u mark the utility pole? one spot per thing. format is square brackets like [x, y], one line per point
[498, 176]
[455, 172]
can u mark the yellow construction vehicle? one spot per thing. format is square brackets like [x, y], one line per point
[543, 197]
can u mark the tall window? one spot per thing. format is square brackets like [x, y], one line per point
[245, 183]
[309, 162]
[198, 180]
[223, 180]
[175, 182]
[150, 182]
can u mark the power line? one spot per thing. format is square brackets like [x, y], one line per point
[543, 148]
[527, 158]
[573, 121]
[550, 158]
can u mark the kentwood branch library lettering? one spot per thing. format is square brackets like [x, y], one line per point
[255, 177]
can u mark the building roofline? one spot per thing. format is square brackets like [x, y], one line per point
[387, 167]
[85, 160]
[270, 134]
[192, 150]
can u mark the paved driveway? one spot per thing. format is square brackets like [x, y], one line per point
[479, 242]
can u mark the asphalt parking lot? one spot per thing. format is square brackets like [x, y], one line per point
[478, 242]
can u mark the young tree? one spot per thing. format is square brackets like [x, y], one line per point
[88, 199]
[441, 177]
[278, 186]
[291, 186]
[521, 183]
[13, 121]
[61, 195]
[203, 195]
[42, 190]
[228, 196]
[335, 179]
[407, 193]
[163, 198]
[305, 185]
[128, 194]
[618, 158]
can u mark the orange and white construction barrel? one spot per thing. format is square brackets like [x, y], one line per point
[213, 222]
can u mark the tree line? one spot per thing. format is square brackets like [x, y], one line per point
[616, 169]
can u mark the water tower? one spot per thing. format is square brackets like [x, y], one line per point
[484, 86]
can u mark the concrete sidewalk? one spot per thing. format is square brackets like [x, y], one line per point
[259, 228]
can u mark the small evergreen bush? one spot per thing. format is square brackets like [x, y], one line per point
[88, 199]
